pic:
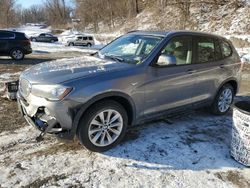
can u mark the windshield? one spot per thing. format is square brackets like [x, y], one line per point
[130, 48]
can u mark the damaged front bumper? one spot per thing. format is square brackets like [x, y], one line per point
[47, 117]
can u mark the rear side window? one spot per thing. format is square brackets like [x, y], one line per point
[226, 49]
[6, 35]
[207, 50]
[90, 38]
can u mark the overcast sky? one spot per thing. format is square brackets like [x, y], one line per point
[28, 3]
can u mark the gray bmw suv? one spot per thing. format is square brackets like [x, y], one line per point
[137, 77]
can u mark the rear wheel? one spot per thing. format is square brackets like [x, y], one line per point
[34, 40]
[17, 54]
[71, 44]
[89, 45]
[223, 100]
[103, 126]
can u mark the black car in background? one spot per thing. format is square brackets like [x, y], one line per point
[44, 37]
[14, 44]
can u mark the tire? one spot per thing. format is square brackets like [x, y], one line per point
[33, 40]
[89, 45]
[17, 54]
[71, 44]
[52, 41]
[223, 100]
[99, 137]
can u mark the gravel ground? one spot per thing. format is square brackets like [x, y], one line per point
[188, 150]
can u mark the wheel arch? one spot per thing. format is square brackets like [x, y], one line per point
[16, 47]
[233, 82]
[122, 98]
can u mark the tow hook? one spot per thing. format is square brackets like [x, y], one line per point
[51, 123]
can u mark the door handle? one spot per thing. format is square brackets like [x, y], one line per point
[191, 71]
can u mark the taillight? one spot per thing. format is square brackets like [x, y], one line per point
[25, 42]
[241, 65]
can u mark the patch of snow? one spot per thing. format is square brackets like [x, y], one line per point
[7, 76]
[188, 153]
[33, 30]
[244, 54]
[42, 47]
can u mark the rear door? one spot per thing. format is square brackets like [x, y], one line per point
[5, 39]
[172, 86]
[210, 67]
[84, 40]
[48, 37]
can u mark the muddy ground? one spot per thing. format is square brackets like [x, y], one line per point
[124, 160]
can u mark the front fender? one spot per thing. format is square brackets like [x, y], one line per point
[97, 98]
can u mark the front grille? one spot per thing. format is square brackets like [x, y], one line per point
[24, 87]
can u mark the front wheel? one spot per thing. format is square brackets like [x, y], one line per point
[223, 100]
[103, 126]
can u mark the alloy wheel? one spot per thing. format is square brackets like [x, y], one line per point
[225, 100]
[17, 54]
[105, 128]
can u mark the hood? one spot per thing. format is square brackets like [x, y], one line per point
[62, 70]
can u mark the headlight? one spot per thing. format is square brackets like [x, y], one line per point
[50, 92]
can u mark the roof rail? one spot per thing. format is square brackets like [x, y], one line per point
[132, 31]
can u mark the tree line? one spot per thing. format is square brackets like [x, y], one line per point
[53, 12]
[95, 13]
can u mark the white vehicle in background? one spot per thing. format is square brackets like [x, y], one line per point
[81, 40]
[65, 38]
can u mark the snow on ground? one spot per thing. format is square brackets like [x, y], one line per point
[194, 151]
[42, 47]
[7, 77]
[244, 54]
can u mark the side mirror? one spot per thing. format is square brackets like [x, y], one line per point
[166, 60]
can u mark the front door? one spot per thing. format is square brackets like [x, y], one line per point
[171, 86]
[78, 41]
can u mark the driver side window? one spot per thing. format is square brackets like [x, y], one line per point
[179, 49]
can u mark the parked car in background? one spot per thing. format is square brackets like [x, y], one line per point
[44, 37]
[14, 44]
[137, 77]
[82, 40]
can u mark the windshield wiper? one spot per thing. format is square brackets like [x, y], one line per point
[114, 57]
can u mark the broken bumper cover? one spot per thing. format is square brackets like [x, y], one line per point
[46, 116]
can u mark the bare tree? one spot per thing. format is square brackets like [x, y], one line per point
[7, 13]
[57, 13]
